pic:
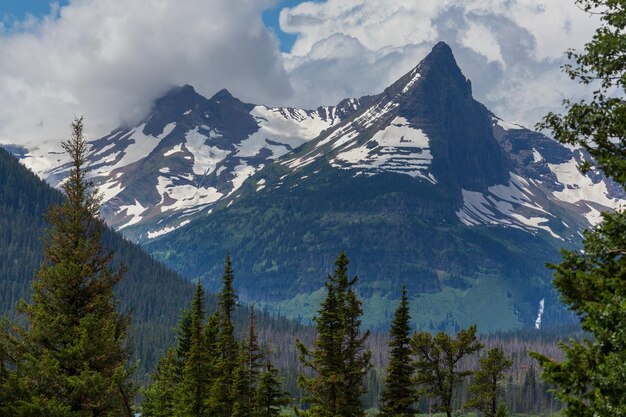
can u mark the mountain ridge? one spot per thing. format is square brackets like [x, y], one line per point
[420, 183]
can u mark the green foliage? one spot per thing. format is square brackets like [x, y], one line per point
[484, 388]
[400, 395]
[502, 411]
[196, 381]
[591, 379]
[161, 394]
[72, 359]
[227, 344]
[437, 363]
[151, 291]
[339, 359]
[599, 125]
[269, 394]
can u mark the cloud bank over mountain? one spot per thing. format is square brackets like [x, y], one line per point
[510, 49]
[109, 59]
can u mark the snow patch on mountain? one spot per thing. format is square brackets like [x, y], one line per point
[397, 148]
[579, 188]
[140, 145]
[134, 211]
[166, 230]
[508, 205]
[205, 157]
[506, 125]
[184, 196]
[344, 135]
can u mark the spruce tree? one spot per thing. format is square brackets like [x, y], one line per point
[484, 389]
[339, 359]
[73, 355]
[227, 344]
[195, 387]
[400, 394]
[437, 364]
[240, 390]
[254, 356]
[159, 400]
[183, 338]
[270, 396]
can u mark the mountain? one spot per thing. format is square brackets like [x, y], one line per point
[153, 293]
[421, 185]
[188, 153]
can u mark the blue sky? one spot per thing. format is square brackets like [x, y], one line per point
[17, 10]
[12, 10]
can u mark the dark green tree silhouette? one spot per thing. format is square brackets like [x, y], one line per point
[437, 364]
[339, 359]
[400, 394]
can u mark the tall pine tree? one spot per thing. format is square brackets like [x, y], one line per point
[195, 387]
[254, 356]
[160, 396]
[227, 344]
[339, 359]
[400, 394]
[73, 356]
[270, 396]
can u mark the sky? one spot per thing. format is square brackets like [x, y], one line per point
[110, 59]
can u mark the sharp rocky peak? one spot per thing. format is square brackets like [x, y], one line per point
[438, 72]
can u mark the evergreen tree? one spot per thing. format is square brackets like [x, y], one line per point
[437, 364]
[183, 338]
[591, 380]
[339, 358]
[254, 356]
[161, 394]
[269, 393]
[484, 388]
[195, 387]
[227, 344]
[240, 391]
[400, 395]
[73, 358]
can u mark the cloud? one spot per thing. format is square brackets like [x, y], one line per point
[510, 49]
[109, 59]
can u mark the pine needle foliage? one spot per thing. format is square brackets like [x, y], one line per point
[400, 395]
[338, 359]
[72, 357]
[485, 390]
[437, 364]
[591, 380]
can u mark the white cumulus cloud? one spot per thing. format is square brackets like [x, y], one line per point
[109, 59]
[510, 49]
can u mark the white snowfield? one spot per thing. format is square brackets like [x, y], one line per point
[512, 204]
[183, 192]
[397, 148]
[193, 170]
